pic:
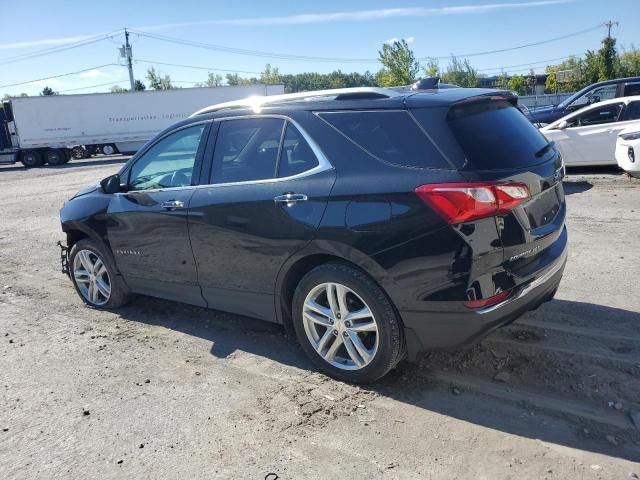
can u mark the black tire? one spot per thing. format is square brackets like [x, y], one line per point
[31, 158]
[79, 153]
[54, 156]
[391, 343]
[119, 292]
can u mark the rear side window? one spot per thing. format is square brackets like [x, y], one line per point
[632, 112]
[495, 135]
[390, 136]
[296, 155]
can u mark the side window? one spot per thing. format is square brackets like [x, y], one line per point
[296, 155]
[632, 89]
[597, 116]
[247, 149]
[169, 163]
[632, 112]
[390, 136]
[603, 93]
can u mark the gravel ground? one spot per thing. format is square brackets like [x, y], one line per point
[164, 390]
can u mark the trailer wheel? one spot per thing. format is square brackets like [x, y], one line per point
[67, 155]
[31, 158]
[79, 153]
[54, 156]
[108, 149]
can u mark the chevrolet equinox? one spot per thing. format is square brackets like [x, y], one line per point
[376, 224]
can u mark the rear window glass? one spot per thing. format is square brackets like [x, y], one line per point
[392, 137]
[496, 135]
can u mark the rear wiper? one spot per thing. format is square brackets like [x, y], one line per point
[545, 149]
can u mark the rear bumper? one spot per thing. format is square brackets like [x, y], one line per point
[457, 328]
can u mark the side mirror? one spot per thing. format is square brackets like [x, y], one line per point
[111, 184]
[562, 125]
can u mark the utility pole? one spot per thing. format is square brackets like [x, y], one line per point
[610, 24]
[126, 52]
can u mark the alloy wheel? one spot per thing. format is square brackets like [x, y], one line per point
[91, 277]
[340, 326]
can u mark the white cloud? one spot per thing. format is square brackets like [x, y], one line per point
[95, 73]
[45, 42]
[308, 18]
[361, 15]
[410, 39]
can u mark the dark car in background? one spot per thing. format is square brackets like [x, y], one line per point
[376, 224]
[597, 92]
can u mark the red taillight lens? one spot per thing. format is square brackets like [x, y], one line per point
[463, 202]
[487, 302]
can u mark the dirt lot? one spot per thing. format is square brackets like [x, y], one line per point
[163, 390]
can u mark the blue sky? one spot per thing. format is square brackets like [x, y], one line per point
[335, 29]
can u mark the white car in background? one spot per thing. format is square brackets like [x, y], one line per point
[628, 150]
[588, 136]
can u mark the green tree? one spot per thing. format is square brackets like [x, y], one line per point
[629, 61]
[571, 80]
[47, 91]
[518, 84]
[138, 86]
[118, 89]
[157, 81]
[432, 68]
[234, 79]
[460, 73]
[399, 66]
[213, 80]
[607, 59]
[270, 75]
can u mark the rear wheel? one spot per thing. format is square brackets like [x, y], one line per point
[94, 276]
[31, 158]
[346, 324]
[54, 156]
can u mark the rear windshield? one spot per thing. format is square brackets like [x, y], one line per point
[390, 136]
[496, 135]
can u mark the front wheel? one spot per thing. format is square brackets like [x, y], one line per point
[94, 276]
[346, 324]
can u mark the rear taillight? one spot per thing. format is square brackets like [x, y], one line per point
[463, 202]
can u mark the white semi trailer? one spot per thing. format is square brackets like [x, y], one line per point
[53, 129]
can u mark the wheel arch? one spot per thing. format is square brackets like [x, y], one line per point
[77, 231]
[298, 266]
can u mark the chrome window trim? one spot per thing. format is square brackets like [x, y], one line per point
[323, 163]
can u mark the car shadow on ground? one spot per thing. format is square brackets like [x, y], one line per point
[421, 385]
[87, 162]
[576, 187]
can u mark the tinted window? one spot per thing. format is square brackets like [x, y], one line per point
[632, 89]
[632, 112]
[496, 135]
[605, 114]
[296, 155]
[392, 137]
[247, 149]
[169, 163]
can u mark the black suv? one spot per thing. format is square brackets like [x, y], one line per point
[374, 223]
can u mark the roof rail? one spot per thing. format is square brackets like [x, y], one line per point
[257, 102]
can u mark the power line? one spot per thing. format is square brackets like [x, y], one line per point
[92, 86]
[501, 50]
[195, 67]
[286, 56]
[57, 76]
[62, 48]
[526, 64]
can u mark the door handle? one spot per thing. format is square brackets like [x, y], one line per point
[290, 198]
[172, 204]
